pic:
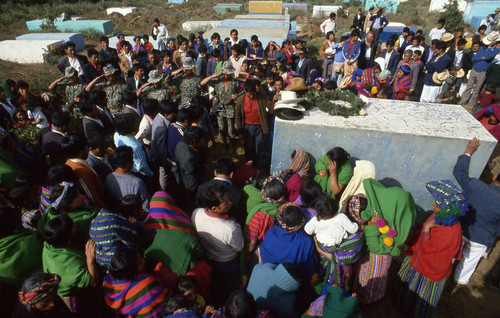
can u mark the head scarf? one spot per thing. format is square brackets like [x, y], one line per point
[279, 218]
[385, 74]
[450, 199]
[300, 163]
[40, 292]
[354, 208]
[406, 69]
[358, 72]
[263, 191]
[58, 201]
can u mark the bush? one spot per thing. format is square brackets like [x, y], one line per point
[453, 16]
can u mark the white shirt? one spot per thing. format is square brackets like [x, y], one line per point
[386, 60]
[458, 58]
[145, 130]
[161, 32]
[221, 238]
[129, 59]
[332, 231]
[437, 34]
[328, 26]
[368, 53]
[75, 63]
[415, 48]
[376, 23]
[36, 114]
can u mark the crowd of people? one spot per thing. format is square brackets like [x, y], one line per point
[107, 210]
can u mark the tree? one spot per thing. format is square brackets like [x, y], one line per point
[452, 15]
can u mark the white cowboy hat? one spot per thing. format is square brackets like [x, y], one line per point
[494, 36]
[289, 97]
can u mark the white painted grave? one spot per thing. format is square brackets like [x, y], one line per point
[121, 10]
[410, 143]
[28, 52]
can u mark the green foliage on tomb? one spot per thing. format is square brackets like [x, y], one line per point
[349, 104]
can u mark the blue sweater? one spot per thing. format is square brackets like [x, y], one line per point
[483, 58]
[436, 65]
[482, 223]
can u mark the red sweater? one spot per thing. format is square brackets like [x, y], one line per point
[432, 253]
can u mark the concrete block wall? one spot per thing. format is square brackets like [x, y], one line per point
[409, 143]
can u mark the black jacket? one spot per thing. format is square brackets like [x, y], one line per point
[393, 61]
[305, 68]
[109, 56]
[89, 73]
[106, 130]
[51, 146]
[363, 62]
[131, 84]
[359, 23]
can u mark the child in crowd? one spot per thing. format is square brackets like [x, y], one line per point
[329, 226]
[488, 97]
[438, 31]
[20, 119]
[35, 113]
[189, 290]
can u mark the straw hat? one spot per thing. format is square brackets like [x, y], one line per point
[297, 84]
[188, 63]
[440, 77]
[109, 70]
[447, 37]
[69, 72]
[494, 36]
[154, 77]
[227, 68]
[460, 73]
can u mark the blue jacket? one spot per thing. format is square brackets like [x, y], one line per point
[483, 58]
[482, 223]
[211, 48]
[339, 57]
[355, 51]
[436, 65]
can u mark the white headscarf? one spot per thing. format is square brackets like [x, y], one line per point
[363, 169]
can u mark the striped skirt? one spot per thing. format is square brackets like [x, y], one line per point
[372, 277]
[416, 295]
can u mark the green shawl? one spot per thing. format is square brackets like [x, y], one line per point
[252, 196]
[179, 257]
[343, 177]
[268, 208]
[7, 91]
[9, 170]
[81, 218]
[68, 263]
[20, 255]
[396, 207]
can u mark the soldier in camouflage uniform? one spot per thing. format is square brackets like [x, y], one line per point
[154, 89]
[73, 91]
[189, 84]
[113, 87]
[226, 92]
